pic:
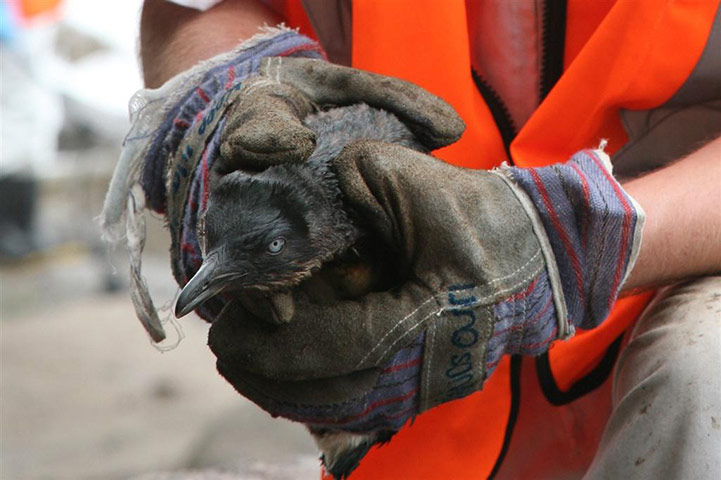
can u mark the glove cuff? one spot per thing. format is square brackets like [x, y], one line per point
[593, 227]
[192, 96]
[588, 230]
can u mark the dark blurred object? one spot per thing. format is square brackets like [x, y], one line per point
[18, 205]
[28, 128]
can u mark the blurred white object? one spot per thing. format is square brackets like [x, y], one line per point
[95, 87]
[99, 85]
[31, 112]
[197, 4]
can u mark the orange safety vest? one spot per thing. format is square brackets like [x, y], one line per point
[629, 54]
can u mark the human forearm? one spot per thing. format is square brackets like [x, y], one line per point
[682, 235]
[174, 38]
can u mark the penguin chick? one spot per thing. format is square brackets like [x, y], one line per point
[270, 230]
[265, 233]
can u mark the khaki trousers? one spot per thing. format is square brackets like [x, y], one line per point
[657, 417]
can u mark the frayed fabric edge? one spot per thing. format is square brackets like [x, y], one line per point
[147, 108]
[123, 214]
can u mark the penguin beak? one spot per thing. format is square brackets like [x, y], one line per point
[204, 285]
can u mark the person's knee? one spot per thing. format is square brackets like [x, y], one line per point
[666, 420]
[668, 378]
[676, 345]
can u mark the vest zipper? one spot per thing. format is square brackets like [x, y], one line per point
[552, 49]
[553, 43]
[498, 109]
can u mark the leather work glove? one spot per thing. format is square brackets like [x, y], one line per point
[494, 263]
[240, 110]
[265, 125]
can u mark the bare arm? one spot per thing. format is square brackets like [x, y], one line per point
[682, 236]
[174, 38]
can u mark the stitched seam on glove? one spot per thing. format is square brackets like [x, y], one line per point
[398, 324]
[364, 413]
[565, 330]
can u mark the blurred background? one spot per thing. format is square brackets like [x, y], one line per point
[83, 393]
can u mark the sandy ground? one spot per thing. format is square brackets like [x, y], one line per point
[84, 395]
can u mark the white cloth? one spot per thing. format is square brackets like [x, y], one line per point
[201, 5]
[32, 110]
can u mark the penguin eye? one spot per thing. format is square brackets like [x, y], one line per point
[276, 246]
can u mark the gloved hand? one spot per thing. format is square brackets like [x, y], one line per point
[265, 124]
[494, 262]
[244, 110]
